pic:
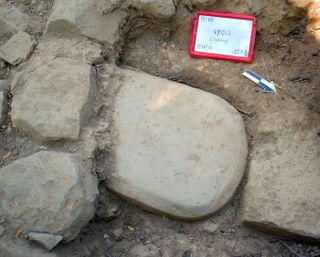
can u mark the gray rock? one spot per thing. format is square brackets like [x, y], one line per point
[18, 48]
[164, 9]
[210, 227]
[13, 17]
[91, 19]
[59, 90]
[48, 192]
[3, 109]
[179, 150]
[282, 193]
[47, 241]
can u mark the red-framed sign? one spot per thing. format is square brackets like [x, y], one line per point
[223, 36]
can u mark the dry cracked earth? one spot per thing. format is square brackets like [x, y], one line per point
[115, 142]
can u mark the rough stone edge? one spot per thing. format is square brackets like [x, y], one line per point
[273, 229]
[106, 136]
[34, 236]
[86, 111]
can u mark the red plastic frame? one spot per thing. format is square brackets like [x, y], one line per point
[194, 30]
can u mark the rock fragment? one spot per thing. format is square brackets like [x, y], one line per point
[282, 193]
[18, 48]
[179, 150]
[48, 192]
[46, 240]
[210, 227]
[59, 91]
[91, 19]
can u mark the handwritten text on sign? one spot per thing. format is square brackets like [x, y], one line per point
[225, 36]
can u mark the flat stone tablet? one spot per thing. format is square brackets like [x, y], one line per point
[180, 151]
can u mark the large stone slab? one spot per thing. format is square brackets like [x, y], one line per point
[18, 48]
[282, 194]
[92, 19]
[50, 103]
[179, 150]
[48, 193]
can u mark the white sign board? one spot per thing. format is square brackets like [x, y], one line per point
[226, 36]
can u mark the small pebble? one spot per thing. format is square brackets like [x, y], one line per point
[210, 227]
[116, 234]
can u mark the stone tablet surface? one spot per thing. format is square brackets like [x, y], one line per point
[179, 150]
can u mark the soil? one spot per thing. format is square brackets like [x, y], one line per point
[289, 57]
